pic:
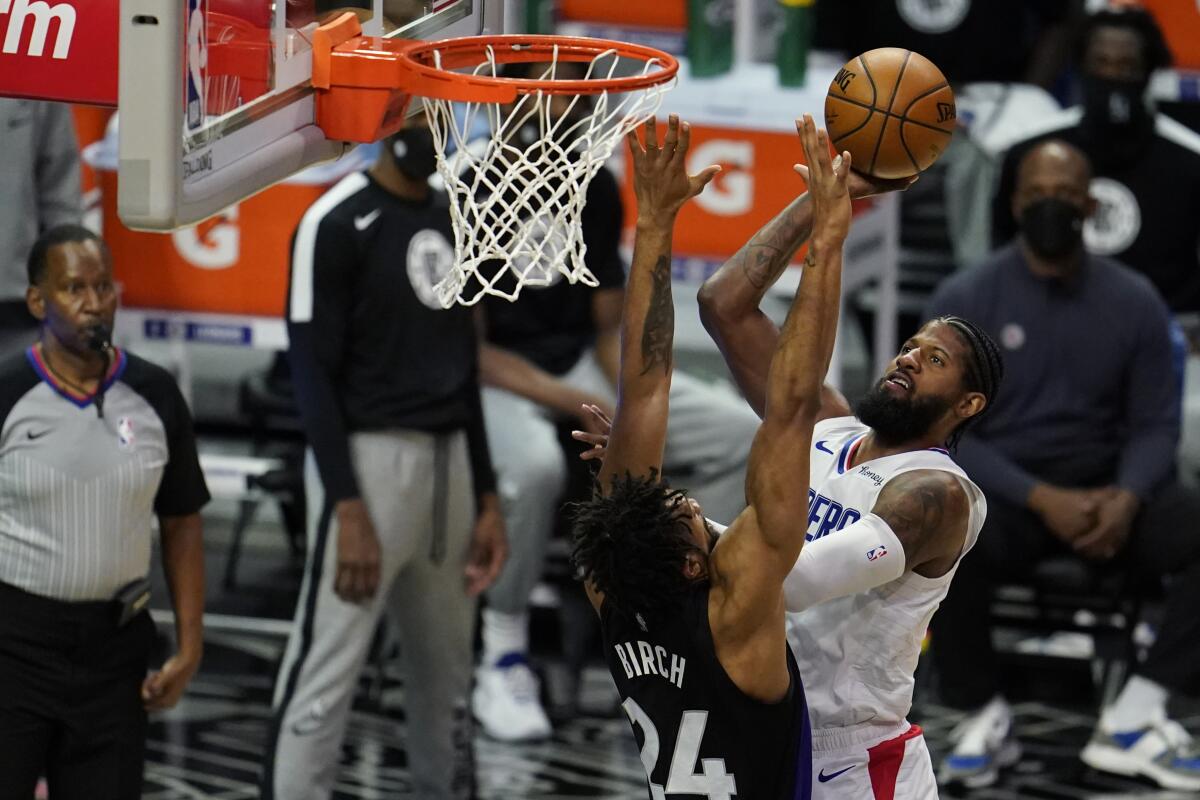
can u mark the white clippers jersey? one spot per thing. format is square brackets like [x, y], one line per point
[857, 654]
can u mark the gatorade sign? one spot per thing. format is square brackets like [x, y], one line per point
[233, 263]
[731, 194]
[212, 244]
[756, 181]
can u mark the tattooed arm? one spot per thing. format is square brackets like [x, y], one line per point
[777, 469]
[730, 299]
[755, 554]
[928, 511]
[662, 186]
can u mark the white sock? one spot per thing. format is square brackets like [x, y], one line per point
[503, 634]
[1140, 703]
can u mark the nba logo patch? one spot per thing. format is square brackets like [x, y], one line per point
[876, 553]
[124, 433]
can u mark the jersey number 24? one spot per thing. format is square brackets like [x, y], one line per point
[712, 782]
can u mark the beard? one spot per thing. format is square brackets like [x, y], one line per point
[897, 420]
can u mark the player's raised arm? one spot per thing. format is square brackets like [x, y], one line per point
[779, 456]
[662, 186]
[730, 300]
[763, 543]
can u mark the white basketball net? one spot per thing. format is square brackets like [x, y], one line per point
[516, 198]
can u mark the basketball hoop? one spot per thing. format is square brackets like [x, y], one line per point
[516, 198]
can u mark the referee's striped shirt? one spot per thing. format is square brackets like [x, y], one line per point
[79, 493]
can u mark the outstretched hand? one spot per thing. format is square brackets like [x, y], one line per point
[599, 427]
[660, 179]
[827, 181]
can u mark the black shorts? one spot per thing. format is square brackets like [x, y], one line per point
[70, 698]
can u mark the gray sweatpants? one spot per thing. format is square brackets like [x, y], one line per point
[417, 488]
[708, 440]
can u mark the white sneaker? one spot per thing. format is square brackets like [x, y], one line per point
[1163, 752]
[983, 744]
[505, 701]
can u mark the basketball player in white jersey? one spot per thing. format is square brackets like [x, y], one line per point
[890, 515]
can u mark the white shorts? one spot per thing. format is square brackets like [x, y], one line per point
[898, 768]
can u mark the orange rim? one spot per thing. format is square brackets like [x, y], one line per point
[428, 80]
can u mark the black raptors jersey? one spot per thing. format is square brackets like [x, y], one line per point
[699, 735]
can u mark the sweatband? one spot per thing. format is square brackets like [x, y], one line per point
[859, 557]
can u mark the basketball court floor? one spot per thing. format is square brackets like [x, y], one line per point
[210, 746]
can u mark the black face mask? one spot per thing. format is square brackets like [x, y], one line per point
[414, 153]
[1115, 106]
[1052, 228]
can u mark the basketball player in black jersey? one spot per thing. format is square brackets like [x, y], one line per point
[694, 628]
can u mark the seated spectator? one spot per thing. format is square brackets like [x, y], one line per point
[1076, 456]
[1147, 165]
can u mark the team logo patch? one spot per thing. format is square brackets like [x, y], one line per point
[1117, 221]
[876, 553]
[125, 435]
[1012, 336]
[933, 16]
[430, 257]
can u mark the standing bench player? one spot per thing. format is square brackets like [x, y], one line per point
[694, 634]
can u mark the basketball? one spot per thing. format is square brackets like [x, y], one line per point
[893, 110]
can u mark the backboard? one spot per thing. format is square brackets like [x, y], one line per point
[215, 96]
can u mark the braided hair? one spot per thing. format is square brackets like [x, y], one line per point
[632, 544]
[985, 368]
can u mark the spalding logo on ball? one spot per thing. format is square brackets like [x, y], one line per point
[893, 110]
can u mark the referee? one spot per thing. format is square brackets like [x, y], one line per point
[399, 477]
[94, 444]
